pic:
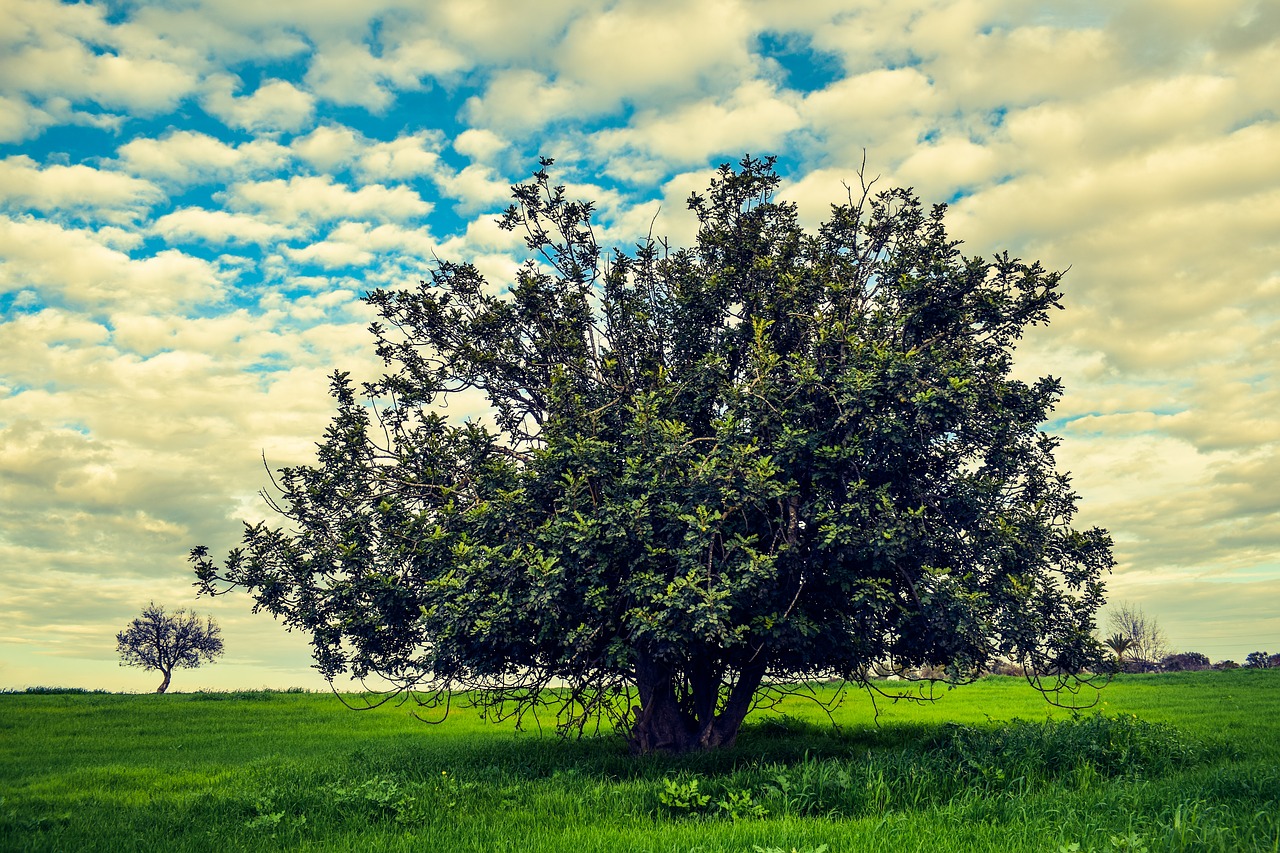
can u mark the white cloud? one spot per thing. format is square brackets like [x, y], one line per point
[940, 168]
[358, 244]
[79, 189]
[217, 33]
[479, 144]
[753, 118]
[329, 147]
[275, 105]
[186, 157]
[639, 50]
[499, 33]
[79, 268]
[403, 158]
[883, 111]
[628, 54]
[346, 72]
[476, 187]
[317, 199]
[522, 99]
[48, 53]
[220, 227]
[20, 120]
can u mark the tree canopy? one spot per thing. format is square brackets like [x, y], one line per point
[771, 456]
[163, 642]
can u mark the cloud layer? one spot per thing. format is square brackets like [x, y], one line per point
[194, 196]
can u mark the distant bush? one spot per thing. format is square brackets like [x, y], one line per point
[1226, 664]
[1007, 667]
[1184, 662]
[229, 695]
[264, 693]
[1258, 660]
[55, 690]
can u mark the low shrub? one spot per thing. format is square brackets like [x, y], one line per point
[57, 690]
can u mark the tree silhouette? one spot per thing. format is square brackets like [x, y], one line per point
[167, 641]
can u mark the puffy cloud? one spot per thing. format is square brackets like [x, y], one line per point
[940, 168]
[83, 270]
[185, 156]
[80, 189]
[357, 244]
[220, 227]
[522, 98]
[329, 147]
[348, 72]
[405, 157]
[754, 117]
[316, 199]
[275, 105]
[217, 34]
[631, 53]
[49, 51]
[639, 50]
[479, 144]
[19, 119]
[499, 34]
[476, 187]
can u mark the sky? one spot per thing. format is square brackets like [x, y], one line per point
[195, 195]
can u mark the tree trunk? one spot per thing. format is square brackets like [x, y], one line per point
[662, 725]
[164, 685]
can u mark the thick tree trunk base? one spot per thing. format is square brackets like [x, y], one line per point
[672, 733]
[662, 725]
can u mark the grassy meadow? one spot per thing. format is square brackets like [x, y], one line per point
[1186, 761]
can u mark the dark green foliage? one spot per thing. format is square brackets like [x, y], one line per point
[1184, 661]
[1055, 749]
[772, 454]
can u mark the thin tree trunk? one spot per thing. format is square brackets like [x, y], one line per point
[164, 685]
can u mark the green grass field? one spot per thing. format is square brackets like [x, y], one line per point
[1187, 761]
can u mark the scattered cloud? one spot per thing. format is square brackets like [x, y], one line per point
[191, 157]
[194, 197]
[78, 190]
[302, 199]
[276, 105]
[75, 267]
[219, 227]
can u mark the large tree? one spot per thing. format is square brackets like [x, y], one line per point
[774, 455]
[163, 642]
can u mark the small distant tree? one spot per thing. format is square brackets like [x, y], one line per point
[1184, 661]
[1258, 660]
[1148, 644]
[167, 641]
[1226, 664]
[1120, 646]
[1273, 661]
